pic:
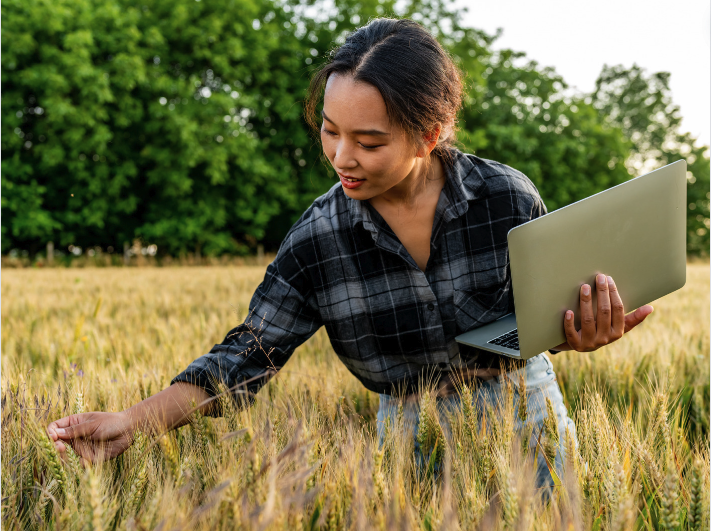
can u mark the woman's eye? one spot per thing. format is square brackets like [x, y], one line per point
[331, 133]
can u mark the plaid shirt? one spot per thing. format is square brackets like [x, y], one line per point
[391, 324]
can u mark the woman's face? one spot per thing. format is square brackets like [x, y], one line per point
[370, 155]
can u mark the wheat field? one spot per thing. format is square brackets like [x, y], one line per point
[306, 454]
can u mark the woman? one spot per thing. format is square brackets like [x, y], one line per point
[406, 252]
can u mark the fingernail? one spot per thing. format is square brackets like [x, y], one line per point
[601, 279]
[61, 431]
[586, 289]
[568, 315]
[610, 281]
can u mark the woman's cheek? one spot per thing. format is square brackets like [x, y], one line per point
[327, 147]
[378, 167]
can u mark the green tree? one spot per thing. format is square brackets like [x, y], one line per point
[175, 122]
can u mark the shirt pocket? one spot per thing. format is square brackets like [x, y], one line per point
[475, 308]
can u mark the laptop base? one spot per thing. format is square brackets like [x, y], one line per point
[481, 337]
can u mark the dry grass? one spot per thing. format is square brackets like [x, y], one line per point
[305, 456]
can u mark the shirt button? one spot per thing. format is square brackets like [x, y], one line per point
[430, 306]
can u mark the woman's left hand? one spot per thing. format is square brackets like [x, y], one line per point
[611, 322]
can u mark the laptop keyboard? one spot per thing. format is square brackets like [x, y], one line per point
[507, 340]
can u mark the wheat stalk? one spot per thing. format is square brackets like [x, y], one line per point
[96, 508]
[79, 406]
[137, 491]
[507, 491]
[54, 462]
[552, 437]
[172, 457]
[378, 476]
[696, 514]
[660, 434]
[669, 505]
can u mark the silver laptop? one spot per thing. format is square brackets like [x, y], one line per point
[634, 232]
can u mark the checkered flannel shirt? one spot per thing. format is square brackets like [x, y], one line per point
[391, 324]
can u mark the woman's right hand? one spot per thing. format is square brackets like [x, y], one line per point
[93, 436]
[97, 436]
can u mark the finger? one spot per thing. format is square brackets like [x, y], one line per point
[65, 422]
[59, 424]
[51, 431]
[604, 311]
[618, 309]
[58, 428]
[637, 316]
[81, 426]
[587, 317]
[62, 449]
[571, 334]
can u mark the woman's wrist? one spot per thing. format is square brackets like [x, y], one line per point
[135, 419]
[167, 409]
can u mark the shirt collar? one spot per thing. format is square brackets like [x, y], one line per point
[464, 183]
[359, 213]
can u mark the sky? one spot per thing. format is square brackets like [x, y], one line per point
[577, 38]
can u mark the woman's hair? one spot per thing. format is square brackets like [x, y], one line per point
[416, 77]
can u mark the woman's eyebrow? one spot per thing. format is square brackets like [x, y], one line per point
[374, 132]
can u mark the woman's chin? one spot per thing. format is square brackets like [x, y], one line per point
[361, 193]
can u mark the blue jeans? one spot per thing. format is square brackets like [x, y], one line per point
[540, 381]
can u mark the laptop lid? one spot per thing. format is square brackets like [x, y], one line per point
[634, 232]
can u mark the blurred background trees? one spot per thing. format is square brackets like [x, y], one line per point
[179, 123]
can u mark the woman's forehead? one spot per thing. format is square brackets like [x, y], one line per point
[350, 104]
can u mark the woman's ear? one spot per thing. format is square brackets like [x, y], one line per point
[430, 139]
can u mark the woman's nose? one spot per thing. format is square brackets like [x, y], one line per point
[344, 156]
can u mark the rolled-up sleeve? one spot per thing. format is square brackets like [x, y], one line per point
[283, 313]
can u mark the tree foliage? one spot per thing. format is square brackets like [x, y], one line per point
[176, 123]
[180, 123]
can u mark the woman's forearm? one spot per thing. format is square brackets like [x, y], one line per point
[167, 409]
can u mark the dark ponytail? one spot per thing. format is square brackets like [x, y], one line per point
[416, 77]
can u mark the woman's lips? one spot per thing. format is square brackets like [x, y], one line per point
[350, 184]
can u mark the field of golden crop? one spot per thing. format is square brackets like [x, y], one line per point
[305, 456]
